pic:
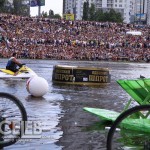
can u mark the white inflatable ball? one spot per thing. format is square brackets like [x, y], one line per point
[37, 86]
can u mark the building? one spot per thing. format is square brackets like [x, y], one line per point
[68, 6]
[132, 10]
[140, 11]
[122, 6]
[75, 7]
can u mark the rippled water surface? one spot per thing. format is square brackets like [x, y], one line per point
[64, 122]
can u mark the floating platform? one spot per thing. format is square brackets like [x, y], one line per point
[64, 74]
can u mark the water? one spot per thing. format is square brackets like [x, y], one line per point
[60, 111]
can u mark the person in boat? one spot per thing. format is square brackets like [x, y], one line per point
[13, 64]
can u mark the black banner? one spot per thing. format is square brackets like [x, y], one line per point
[79, 74]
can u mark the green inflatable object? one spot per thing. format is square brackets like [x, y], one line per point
[128, 123]
[104, 114]
[139, 91]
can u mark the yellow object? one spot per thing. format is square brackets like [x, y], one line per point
[69, 17]
[22, 69]
[7, 71]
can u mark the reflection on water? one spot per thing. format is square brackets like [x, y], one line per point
[61, 110]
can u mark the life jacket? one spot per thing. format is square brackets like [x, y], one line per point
[11, 64]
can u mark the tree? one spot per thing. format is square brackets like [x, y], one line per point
[113, 16]
[44, 14]
[2, 4]
[99, 16]
[106, 16]
[19, 8]
[119, 17]
[57, 16]
[92, 12]
[51, 13]
[85, 10]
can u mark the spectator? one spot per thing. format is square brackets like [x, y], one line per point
[44, 38]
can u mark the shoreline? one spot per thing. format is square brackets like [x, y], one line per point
[81, 60]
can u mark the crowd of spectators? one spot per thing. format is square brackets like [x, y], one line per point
[44, 38]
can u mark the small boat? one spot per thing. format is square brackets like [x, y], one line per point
[24, 73]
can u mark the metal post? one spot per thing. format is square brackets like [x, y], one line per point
[29, 7]
[143, 6]
[140, 11]
[39, 11]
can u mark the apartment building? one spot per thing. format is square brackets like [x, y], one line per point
[140, 11]
[122, 6]
[132, 10]
[75, 7]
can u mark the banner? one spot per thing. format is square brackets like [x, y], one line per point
[34, 3]
[69, 17]
[141, 16]
[41, 3]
